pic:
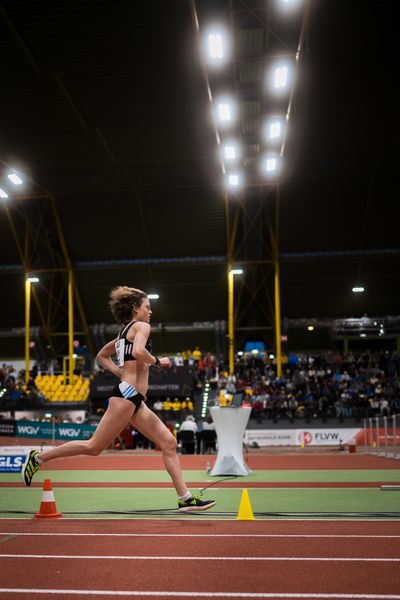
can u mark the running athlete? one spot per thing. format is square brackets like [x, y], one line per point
[131, 309]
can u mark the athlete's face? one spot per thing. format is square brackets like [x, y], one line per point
[143, 312]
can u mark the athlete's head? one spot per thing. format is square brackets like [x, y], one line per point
[125, 301]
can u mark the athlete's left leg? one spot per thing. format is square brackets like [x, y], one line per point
[153, 428]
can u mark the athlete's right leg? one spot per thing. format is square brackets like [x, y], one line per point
[116, 417]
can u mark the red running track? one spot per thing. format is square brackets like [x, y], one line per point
[127, 558]
[255, 461]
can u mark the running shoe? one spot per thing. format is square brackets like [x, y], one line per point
[195, 503]
[30, 467]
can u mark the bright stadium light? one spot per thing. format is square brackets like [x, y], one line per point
[15, 179]
[225, 111]
[271, 164]
[234, 180]
[230, 151]
[153, 296]
[274, 129]
[236, 271]
[280, 77]
[216, 45]
[288, 5]
[32, 279]
[3, 194]
[358, 289]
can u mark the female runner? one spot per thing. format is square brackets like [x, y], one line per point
[131, 309]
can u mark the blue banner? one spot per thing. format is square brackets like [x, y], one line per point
[12, 463]
[62, 431]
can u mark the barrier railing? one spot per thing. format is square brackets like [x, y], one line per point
[382, 436]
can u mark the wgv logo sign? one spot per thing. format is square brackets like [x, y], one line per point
[69, 432]
[31, 430]
[11, 464]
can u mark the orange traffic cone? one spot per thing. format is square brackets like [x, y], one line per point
[47, 508]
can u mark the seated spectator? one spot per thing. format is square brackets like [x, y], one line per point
[196, 354]
[158, 406]
[208, 424]
[189, 424]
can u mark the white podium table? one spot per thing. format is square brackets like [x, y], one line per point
[230, 425]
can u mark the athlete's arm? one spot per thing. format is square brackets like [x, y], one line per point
[141, 331]
[104, 358]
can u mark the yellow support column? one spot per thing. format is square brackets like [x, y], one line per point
[231, 332]
[27, 326]
[278, 335]
[70, 327]
[278, 341]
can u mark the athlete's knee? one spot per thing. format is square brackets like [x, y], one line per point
[169, 443]
[93, 448]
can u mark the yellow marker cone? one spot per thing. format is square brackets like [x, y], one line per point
[245, 511]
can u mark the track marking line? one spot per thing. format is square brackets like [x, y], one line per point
[205, 558]
[192, 517]
[198, 594]
[201, 535]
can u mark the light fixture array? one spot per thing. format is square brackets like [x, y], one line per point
[217, 50]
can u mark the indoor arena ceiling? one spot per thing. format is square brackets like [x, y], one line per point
[104, 105]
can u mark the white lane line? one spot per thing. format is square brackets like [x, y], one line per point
[198, 594]
[205, 558]
[200, 535]
[192, 517]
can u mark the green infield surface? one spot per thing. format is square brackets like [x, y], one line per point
[139, 487]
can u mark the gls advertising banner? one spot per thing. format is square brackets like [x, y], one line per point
[11, 463]
[63, 431]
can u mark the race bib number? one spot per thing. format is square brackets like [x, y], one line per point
[120, 351]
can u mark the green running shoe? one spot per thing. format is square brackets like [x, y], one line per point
[195, 503]
[30, 467]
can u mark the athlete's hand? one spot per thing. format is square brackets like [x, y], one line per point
[165, 362]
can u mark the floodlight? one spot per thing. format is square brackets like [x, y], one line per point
[271, 164]
[225, 111]
[310, 327]
[32, 279]
[358, 289]
[216, 45]
[234, 180]
[274, 129]
[236, 271]
[153, 296]
[16, 180]
[287, 5]
[230, 151]
[280, 77]
[3, 194]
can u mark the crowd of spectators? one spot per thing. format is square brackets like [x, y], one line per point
[358, 385]
[13, 386]
[330, 385]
